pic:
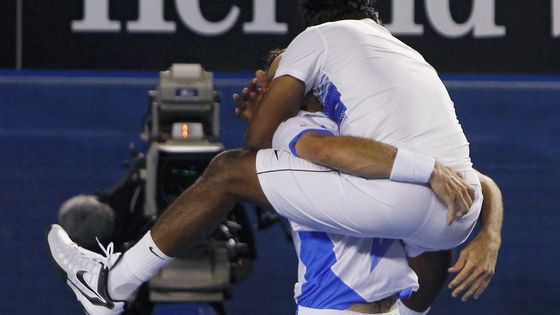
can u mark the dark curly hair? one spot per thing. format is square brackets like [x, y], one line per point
[272, 55]
[321, 11]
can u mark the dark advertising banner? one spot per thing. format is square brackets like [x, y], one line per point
[7, 34]
[490, 36]
[151, 34]
[484, 36]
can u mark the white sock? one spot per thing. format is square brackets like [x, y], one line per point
[407, 311]
[138, 265]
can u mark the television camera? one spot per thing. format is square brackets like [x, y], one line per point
[183, 130]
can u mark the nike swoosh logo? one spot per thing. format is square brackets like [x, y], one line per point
[276, 153]
[80, 277]
[98, 299]
[153, 252]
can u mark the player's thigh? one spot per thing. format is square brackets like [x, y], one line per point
[329, 201]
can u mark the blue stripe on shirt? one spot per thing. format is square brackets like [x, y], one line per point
[330, 97]
[322, 288]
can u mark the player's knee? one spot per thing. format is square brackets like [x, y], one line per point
[230, 167]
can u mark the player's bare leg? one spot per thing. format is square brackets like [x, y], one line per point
[229, 179]
[101, 284]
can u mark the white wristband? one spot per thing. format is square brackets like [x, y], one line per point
[410, 167]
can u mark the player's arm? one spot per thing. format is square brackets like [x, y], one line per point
[297, 74]
[280, 101]
[352, 155]
[373, 159]
[477, 262]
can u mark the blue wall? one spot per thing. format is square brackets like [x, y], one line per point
[63, 134]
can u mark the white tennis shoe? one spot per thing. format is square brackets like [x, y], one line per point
[84, 271]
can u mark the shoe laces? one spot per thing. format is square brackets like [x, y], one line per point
[109, 253]
[85, 259]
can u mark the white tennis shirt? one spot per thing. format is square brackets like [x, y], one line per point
[374, 86]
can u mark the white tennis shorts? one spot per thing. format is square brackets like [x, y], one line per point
[326, 200]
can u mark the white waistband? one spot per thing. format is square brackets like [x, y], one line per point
[302, 310]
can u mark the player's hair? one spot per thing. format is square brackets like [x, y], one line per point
[272, 55]
[321, 11]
